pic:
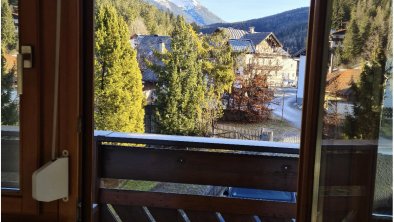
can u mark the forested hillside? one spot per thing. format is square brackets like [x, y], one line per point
[143, 18]
[369, 26]
[290, 27]
[368, 45]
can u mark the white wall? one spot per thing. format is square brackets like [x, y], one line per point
[301, 78]
[288, 73]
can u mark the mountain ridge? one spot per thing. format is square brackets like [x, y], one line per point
[289, 26]
[192, 10]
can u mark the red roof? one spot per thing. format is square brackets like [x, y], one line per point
[340, 81]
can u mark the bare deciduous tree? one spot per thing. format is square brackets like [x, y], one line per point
[251, 93]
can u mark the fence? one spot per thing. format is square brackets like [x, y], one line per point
[231, 132]
[290, 139]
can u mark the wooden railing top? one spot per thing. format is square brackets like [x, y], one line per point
[198, 142]
[12, 131]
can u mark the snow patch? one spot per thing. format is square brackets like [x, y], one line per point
[165, 3]
[186, 4]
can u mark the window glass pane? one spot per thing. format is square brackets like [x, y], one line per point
[9, 95]
[239, 80]
[356, 155]
[209, 76]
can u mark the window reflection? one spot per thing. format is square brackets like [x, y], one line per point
[356, 160]
[9, 96]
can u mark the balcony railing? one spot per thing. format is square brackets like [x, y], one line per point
[347, 169]
[10, 157]
[194, 160]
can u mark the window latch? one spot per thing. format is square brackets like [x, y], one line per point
[24, 61]
[27, 56]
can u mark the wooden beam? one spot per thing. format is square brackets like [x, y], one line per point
[196, 167]
[198, 142]
[198, 203]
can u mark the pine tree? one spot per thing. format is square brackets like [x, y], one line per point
[141, 17]
[8, 35]
[119, 99]
[180, 87]
[9, 107]
[364, 123]
[340, 14]
[218, 67]
[352, 42]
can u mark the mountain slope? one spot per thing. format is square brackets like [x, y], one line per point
[192, 10]
[290, 27]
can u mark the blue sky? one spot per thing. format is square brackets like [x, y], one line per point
[240, 10]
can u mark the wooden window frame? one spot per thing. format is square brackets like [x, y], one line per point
[21, 201]
[34, 146]
[37, 19]
[311, 115]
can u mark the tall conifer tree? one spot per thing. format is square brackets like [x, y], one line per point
[8, 34]
[364, 123]
[218, 67]
[119, 99]
[9, 104]
[353, 42]
[181, 86]
[9, 107]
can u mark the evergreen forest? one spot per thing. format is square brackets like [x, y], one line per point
[290, 27]
[141, 17]
[367, 45]
[9, 40]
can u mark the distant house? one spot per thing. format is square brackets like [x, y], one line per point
[338, 83]
[336, 40]
[337, 37]
[246, 47]
[242, 45]
[232, 32]
[339, 92]
[300, 57]
[265, 51]
[147, 46]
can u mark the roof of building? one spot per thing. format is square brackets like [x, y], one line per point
[148, 75]
[300, 52]
[146, 46]
[242, 45]
[151, 43]
[234, 33]
[338, 32]
[257, 37]
[340, 82]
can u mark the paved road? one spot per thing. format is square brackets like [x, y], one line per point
[291, 112]
[293, 115]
